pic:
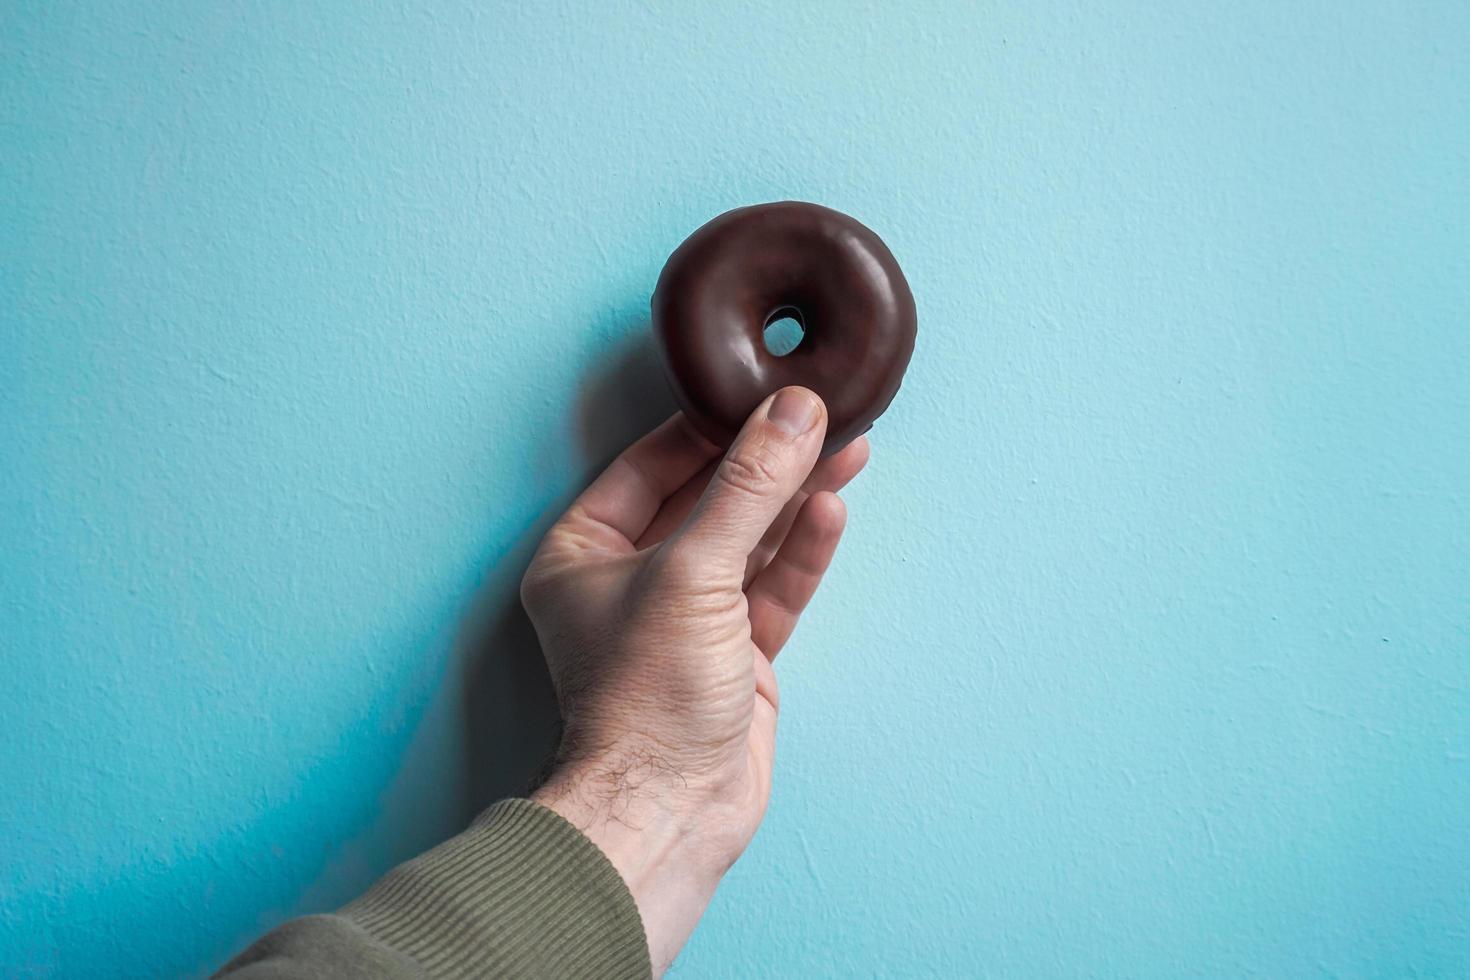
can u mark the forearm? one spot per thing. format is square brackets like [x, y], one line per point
[520, 893]
[666, 839]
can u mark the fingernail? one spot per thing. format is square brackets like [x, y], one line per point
[793, 411]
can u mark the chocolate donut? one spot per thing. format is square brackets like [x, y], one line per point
[750, 267]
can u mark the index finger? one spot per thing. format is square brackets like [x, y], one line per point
[627, 495]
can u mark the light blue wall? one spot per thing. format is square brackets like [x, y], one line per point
[1148, 652]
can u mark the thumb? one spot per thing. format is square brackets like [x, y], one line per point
[764, 468]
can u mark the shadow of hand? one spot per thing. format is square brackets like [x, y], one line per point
[510, 713]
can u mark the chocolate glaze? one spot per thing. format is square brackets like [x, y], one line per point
[752, 266]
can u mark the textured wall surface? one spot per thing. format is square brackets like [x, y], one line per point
[1148, 651]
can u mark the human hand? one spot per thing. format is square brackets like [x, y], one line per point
[660, 598]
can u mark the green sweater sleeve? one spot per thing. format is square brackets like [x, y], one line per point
[521, 893]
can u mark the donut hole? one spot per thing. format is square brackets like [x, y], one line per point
[784, 331]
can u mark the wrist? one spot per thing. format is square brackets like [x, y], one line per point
[663, 839]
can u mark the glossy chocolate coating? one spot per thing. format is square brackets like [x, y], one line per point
[752, 266]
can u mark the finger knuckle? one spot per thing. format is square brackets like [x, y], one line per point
[540, 583]
[533, 588]
[755, 469]
[686, 573]
[677, 564]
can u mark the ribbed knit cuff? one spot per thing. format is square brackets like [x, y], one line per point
[521, 893]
